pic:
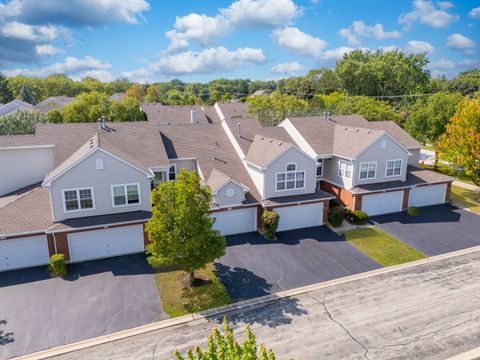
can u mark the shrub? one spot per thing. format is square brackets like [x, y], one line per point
[57, 265]
[358, 217]
[270, 220]
[336, 215]
[413, 211]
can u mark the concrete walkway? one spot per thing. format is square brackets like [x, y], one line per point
[428, 311]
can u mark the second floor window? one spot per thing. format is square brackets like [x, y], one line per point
[345, 169]
[123, 195]
[290, 179]
[319, 167]
[172, 174]
[394, 167]
[78, 199]
[368, 170]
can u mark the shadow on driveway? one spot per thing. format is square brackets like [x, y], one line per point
[253, 266]
[439, 229]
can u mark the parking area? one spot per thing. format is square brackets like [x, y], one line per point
[439, 229]
[253, 266]
[96, 298]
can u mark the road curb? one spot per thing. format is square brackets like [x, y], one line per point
[243, 305]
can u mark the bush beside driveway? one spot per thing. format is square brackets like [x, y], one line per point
[96, 298]
[253, 266]
[439, 229]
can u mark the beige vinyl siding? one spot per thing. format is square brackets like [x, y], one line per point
[84, 174]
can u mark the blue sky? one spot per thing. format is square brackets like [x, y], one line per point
[160, 40]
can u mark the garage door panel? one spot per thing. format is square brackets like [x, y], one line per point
[384, 203]
[300, 216]
[98, 244]
[24, 252]
[235, 221]
[427, 195]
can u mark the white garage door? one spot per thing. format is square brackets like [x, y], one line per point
[384, 203]
[97, 244]
[235, 221]
[427, 195]
[24, 252]
[301, 216]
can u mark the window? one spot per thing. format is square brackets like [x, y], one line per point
[290, 179]
[345, 169]
[368, 170]
[159, 177]
[394, 167]
[172, 173]
[78, 199]
[124, 195]
[319, 167]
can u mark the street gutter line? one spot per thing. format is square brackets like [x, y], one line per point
[243, 305]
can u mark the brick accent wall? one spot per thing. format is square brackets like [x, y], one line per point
[406, 195]
[325, 211]
[61, 239]
[344, 196]
[449, 190]
[358, 202]
[51, 245]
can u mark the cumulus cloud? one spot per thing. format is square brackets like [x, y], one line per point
[445, 5]
[207, 61]
[460, 42]
[475, 13]
[141, 75]
[359, 29]
[425, 12]
[73, 67]
[416, 46]
[287, 68]
[298, 42]
[30, 29]
[241, 14]
[337, 53]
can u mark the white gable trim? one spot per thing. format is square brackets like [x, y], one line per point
[26, 147]
[298, 137]
[88, 154]
[384, 133]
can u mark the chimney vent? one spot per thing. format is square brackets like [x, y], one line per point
[193, 116]
[238, 130]
[328, 115]
[101, 122]
[325, 115]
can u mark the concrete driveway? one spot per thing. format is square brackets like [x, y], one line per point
[439, 229]
[97, 297]
[255, 267]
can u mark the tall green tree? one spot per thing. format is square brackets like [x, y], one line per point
[153, 95]
[429, 116]
[87, 107]
[461, 142]
[271, 110]
[467, 82]
[6, 94]
[180, 230]
[127, 109]
[225, 347]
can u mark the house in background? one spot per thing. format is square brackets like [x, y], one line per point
[14, 105]
[53, 103]
[85, 191]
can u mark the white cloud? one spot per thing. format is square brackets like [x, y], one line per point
[287, 68]
[460, 42]
[425, 12]
[208, 61]
[74, 67]
[34, 33]
[298, 42]
[475, 13]
[241, 14]
[445, 5]
[337, 53]
[359, 29]
[141, 75]
[48, 50]
[416, 46]
[442, 64]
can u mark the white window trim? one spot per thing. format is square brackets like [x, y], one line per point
[386, 167]
[347, 164]
[295, 181]
[78, 199]
[316, 163]
[168, 172]
[165, 175]
[126, 195]
[360, 170]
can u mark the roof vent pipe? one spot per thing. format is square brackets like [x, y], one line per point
[213, 152]
[325, 115]
[102, 122]
[238, 130]
[193, 116]
[328, 115]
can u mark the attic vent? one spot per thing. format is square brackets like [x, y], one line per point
[99, 164]
[91, 143]
[369, 131]
[280, 143]
[345, 128]
[262, 138]
[357, 130]
[270, 141]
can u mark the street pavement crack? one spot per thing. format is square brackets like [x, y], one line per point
[330, 316]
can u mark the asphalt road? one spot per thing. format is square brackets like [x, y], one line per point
[253, 266]
[97, 297]
[429, 311]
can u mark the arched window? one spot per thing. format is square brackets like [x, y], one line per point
[291, 167]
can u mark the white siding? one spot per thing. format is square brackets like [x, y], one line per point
[23, 252]
[23, 167]
[235, 221]
[257, 177]
[427, 195]
[330, 172]
[300, 216]
[84, 174]
[384, 203]
[238, 197]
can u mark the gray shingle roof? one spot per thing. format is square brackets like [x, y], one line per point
[53, 102]
[170, 114]
[265, 149]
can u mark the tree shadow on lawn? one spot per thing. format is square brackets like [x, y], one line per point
[242, 284]
[5, 337]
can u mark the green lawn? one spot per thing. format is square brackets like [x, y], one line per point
[466, 198]
[178, 300]
[382, 247]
